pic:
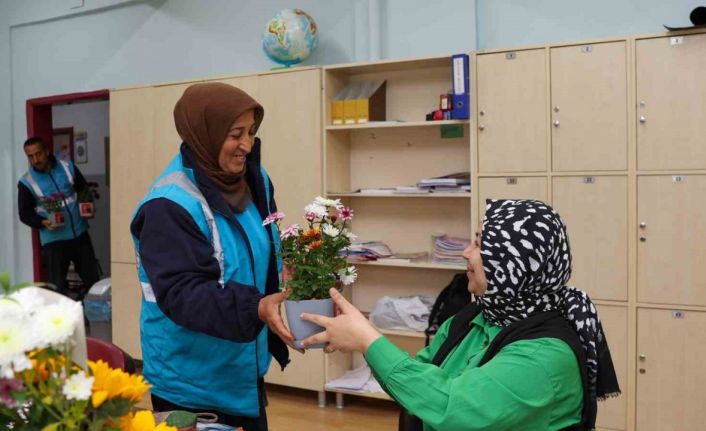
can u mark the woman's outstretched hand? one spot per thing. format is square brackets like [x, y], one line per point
[349, 331]
[268, 310]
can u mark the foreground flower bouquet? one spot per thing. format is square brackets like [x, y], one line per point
[41, 388]
[314, 259]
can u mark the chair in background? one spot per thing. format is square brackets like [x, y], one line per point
[110, 353]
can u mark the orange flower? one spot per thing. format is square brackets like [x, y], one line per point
[316, 244]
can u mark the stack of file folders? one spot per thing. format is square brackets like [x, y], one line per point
[458, 182]
[367, 250]
[447, 250]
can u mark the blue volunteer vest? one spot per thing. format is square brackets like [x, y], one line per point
[190, 368]
[60, 178]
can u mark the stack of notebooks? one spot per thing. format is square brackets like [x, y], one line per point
[363, 251]
[459, 182]
[447, 250]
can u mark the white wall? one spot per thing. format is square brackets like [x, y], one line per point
[89, 117]
[509, 23]
[417, 28]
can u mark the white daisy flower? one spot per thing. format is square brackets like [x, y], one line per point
[21, 363]
[350, 235]
[348, 275]
[78, 386]
[336, 203]
[316, 209]
[330, 230]
[57, 322]
[15, 339]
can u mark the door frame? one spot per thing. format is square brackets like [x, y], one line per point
[39, 124]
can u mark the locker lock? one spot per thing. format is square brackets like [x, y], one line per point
[642, 371]
[556, 123]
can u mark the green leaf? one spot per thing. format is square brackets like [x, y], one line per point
[5, 281]
[52, 427]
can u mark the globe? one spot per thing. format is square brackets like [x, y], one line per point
[290, 37]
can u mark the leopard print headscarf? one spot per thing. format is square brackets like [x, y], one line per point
[527, 263]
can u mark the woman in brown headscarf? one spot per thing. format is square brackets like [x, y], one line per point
[208, 268]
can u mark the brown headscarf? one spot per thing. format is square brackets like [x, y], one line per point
[203, 116]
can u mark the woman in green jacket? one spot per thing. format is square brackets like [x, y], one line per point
[530, 352]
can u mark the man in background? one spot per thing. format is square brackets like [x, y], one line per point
[48, 185]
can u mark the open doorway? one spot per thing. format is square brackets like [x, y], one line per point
[76, 128]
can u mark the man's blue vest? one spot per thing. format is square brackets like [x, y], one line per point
[190, 368]
[60, 178]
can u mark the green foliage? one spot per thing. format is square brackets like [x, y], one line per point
[181, 419]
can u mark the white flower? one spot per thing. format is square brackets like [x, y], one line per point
[350, 235]
[348, 275]
[316, 209]
[78, 386]
[15, 339]
[29, 298]
[55, 323]
[21, 363]
[336, 203]
[330, 230]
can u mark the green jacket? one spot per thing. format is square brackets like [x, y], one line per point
[528, 385]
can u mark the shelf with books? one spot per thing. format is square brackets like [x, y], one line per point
[425, 264]
[364, 162]
[395, 124]
[392, 194]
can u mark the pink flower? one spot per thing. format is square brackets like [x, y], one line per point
[345, 213]
[6, 388]
[274, 217]
[290, 232]
[310, 216]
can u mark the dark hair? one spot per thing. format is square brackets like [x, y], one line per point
[34, 140]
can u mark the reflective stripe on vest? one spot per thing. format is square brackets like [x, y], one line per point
[34, 185]
[65, 165]
[181, 180]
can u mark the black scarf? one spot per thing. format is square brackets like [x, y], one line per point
[527, 263]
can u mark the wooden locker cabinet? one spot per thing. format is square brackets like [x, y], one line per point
[166, 139]
[612, 413]
[670, 377]
[589, 107]
[510, 188]
[291, 138]
[131, 163]
[670, 102]
[671, 220]
[512, 107]
[126, 298]
[595, 210]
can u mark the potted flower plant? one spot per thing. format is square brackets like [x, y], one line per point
[54, 206]
[314, 257]
[86, 197]
[41, 388]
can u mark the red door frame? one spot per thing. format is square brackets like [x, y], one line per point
[39, 123]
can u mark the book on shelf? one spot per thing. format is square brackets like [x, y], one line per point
[363, 251]
[455, 179]
[450, 189]
[448, 250]
[376, 191]
[411, 190]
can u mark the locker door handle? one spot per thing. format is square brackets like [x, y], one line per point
[643, 239]
[643, 120]
[481, 127]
